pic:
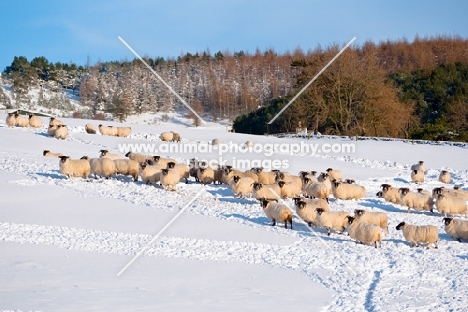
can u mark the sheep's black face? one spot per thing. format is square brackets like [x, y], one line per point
[399, 226]
[350, 219]
[170, 164]
[142, 166]
[336, 184]
[319, 210]
[128, 154]
[165, 171]
[313, 173]
[281, 184]
[202, 170]
[379, 194]
[257, 186]
[100, 126]
[236, 179]
[156, 158]
[45, 152]
[264, 203]
[64, 158]
[421, 162]
[306, 180]
[359, 212]
[329, 169]
[301, 204]
[385, 187]
[447, 221]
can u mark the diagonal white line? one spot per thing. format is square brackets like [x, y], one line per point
[313, 79]
[162, 80]
[160, 232]
[312, 230]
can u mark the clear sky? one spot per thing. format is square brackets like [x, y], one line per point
[77, 30]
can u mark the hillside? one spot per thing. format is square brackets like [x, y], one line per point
[65, 240]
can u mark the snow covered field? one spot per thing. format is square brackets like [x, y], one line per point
[64, 241]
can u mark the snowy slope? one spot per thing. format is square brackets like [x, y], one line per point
[64, 241]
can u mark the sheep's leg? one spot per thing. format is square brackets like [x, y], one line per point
[274, 222]
[328, 231]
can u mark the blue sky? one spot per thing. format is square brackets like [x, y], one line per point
[77, 30]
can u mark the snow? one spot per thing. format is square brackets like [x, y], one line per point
[63, 241]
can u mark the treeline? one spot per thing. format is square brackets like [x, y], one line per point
[393, 88]
[407, 90]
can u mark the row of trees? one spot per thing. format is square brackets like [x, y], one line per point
[393, 88]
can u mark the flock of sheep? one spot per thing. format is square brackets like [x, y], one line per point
[309, 191]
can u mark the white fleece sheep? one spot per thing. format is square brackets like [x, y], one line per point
[419, 234]
[249, 144]
[391, 194]
[11, 120]
[150, 173]
[346, 191]
[456, 228]
[107, 130]
[265, 177]
[124, 131]
[61, 133]
[372, 217]
[229, 173]
[54, 122]
[317, 190]
[287, 177]
[21, 121]
[194, 165]
[102, 167]
[289, 189]
[418, 166]
[206, 175]
[447, 204]
[456, 192]
[417, 176]
[51, 130]
[176, 137]
[89, 128]
[215, 142]
[166, 136]
[332, 220]
[183, 169]
[460, 193]
[325, 179]
[416, 200]
[309, 175]
[335, 174]
[266, 191]
[105, 154]
[277, 212]
[363, 232]
[242, 186]
[137, 157]
[48, 153]
[34, 121]
[162, 160]
[306, 209]
[127, 167]
[169, 179]
[74, 167]
[445, 177]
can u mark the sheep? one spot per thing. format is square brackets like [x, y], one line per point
[11, 120]
[372, 217]
[228, 174]
[51, 130]
[110, 131]
[277, 212]
[290, 189]
[242, 186]
[364, 233]
[445, 177]
[21, 121]
[325, 179]
[54, 122]
[127, 167]
[418, 166]
[74, 167]
[161, 160]
[306, 209]
[456, 192]
[265, 177]
[34, 121]
[447, 204]
[105, 154]
[249, 144]
[61, 133]
[310, 175]
[417, 201]
[317, 190]
[349, 181]
[102, 167]
[194, 165]
[48, 153]
[124, 131]
[169, 179]
[89, 128]
[345, 191]
[166, 136]
[176, 137]
[215, 142]
[391, 194]
[335, 174]
[417, 176]
[183, 169]
[266, 191]
[456, 228]
[150, 173]
[286, 177]
[332, 220]
[460, 193]
[206, 175]
[419, 234]
[137, 157]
